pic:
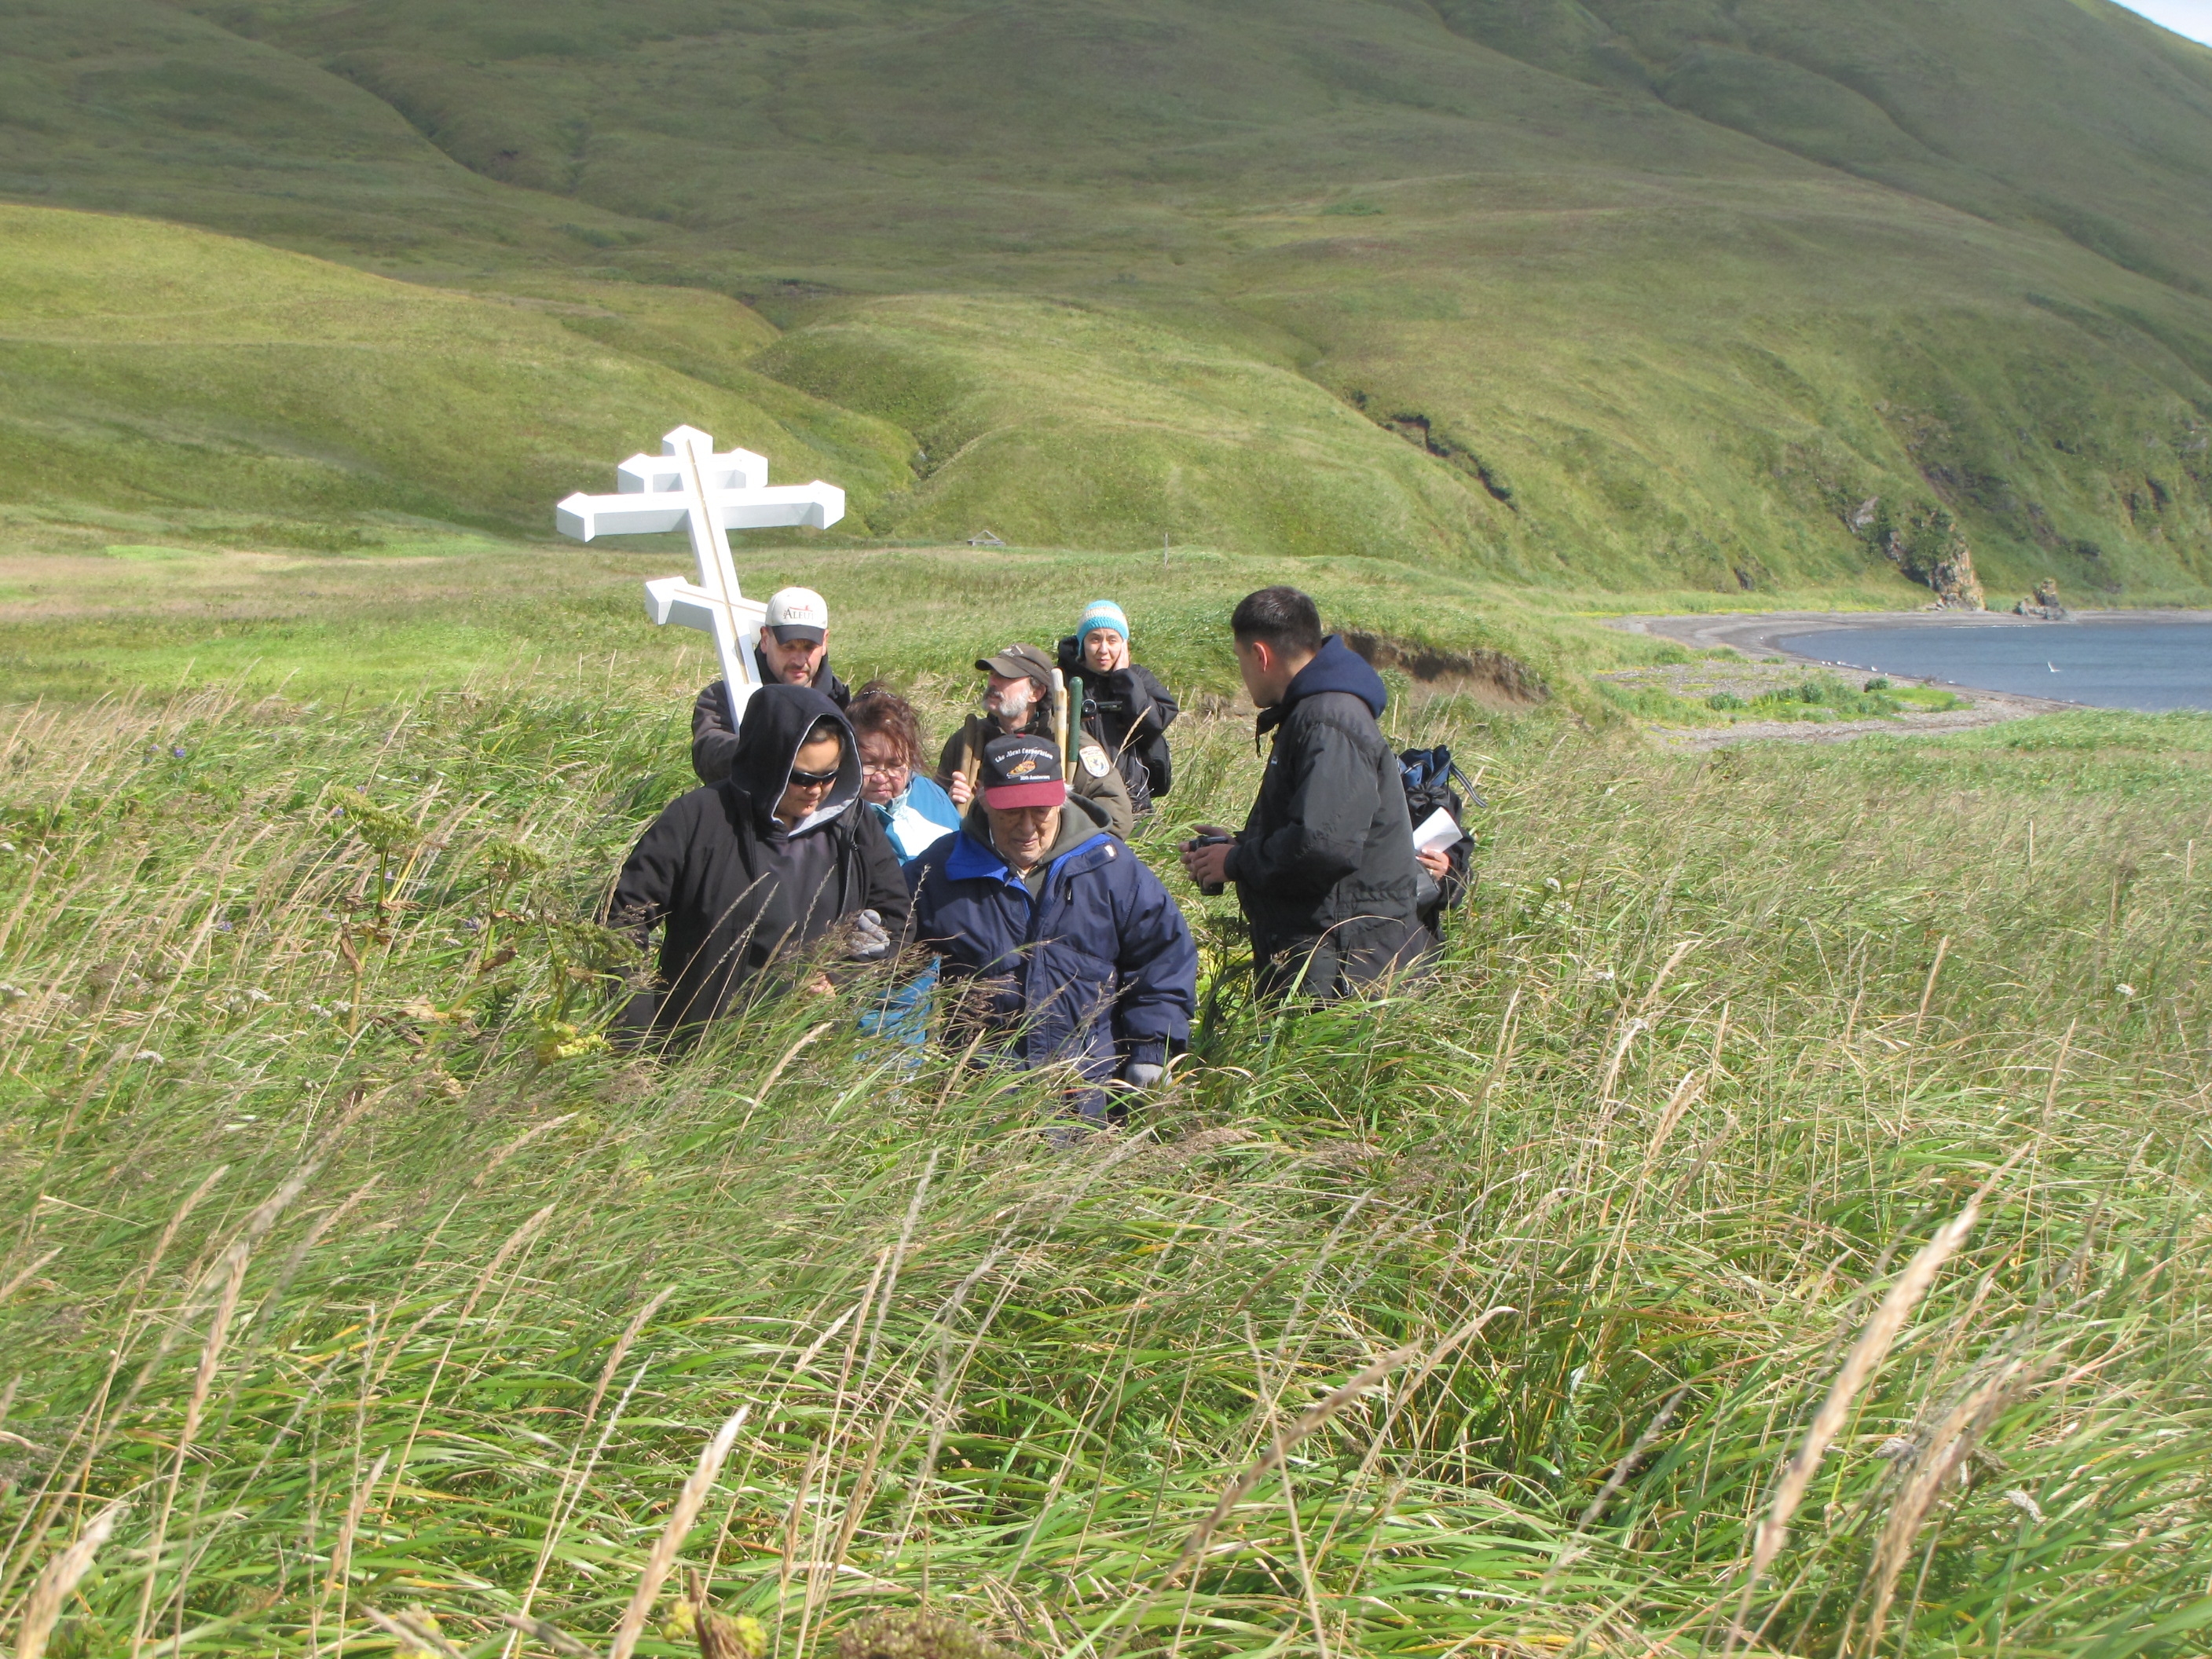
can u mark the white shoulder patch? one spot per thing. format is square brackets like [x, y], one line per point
[1096, 761]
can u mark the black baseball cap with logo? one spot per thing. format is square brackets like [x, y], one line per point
[1022, 770]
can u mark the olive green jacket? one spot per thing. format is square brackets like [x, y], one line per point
[1097, 778]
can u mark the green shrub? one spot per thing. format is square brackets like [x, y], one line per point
[1929, 699]
[1824, 697]
[1651, 703]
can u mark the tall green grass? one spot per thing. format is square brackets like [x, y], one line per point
[1481, 1321]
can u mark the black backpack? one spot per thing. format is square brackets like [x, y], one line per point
[1430, 775]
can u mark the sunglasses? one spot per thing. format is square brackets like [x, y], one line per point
[813, 779]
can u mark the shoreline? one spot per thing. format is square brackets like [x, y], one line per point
[1767, 634]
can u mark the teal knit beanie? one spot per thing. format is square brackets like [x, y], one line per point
[1102, 613]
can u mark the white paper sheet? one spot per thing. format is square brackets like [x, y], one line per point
[1436, 832]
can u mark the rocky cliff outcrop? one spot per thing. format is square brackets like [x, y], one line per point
[1926, 544]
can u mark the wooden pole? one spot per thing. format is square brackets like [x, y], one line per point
[1060, 723]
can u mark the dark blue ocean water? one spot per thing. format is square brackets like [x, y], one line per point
[2145, 664]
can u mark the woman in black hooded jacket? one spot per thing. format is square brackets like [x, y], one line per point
[756, 868]
[1129, 712]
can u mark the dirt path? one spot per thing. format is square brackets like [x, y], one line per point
[1768, 635]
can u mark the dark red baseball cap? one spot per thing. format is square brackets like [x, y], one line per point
[1022, 770]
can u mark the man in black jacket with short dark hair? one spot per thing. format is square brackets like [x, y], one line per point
[780, 857]
[794, 650]
[1324, 868]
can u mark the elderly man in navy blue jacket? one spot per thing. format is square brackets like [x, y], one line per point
[1058, 945]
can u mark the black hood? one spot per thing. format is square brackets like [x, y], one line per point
[1073, 667]
[1335, 667]
[777, 719]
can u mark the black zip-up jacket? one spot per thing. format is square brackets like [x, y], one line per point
[732, 890]
[1324, 868]
[715, 745]
[1131, 711]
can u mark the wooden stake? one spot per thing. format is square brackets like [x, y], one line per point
[1059, 724]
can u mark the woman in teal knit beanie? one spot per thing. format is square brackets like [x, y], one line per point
[1102, 635]
[1124, 706]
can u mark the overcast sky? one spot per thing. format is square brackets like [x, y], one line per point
[2191, 17]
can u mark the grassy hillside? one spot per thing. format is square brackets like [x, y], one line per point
[2071, 116]
[1835, 1110]
[109, 608]
[145, 366]
[1589, 295]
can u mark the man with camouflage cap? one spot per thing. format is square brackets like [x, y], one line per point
[1017, 698]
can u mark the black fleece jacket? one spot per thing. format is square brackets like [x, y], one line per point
[715, 745]
[1131, 711]
[731, 890]
[1324, 868]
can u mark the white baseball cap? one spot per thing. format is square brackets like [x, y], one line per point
[797, 613]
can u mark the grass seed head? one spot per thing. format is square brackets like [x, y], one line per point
[557, 1040]
[731, 1636]
[385, 831]
[916, 1635]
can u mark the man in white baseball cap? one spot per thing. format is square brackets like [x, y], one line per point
[794, 650]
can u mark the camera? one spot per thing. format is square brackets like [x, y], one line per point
[1210, 889]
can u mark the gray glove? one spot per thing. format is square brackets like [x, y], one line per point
[1143, 1074]
[868, 942]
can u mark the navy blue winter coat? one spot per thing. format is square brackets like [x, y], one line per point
[1100, 971]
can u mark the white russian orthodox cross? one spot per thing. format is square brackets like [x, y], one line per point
[689, 486]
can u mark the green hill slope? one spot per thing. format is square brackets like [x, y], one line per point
[148, 366]
[2069, 114]
[1635, 295]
